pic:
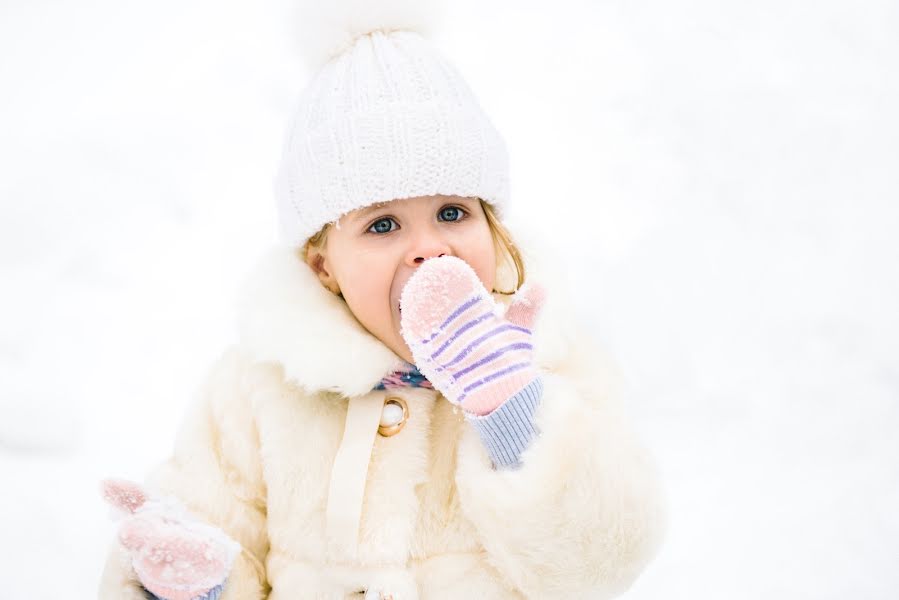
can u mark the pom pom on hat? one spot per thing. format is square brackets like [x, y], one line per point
[326, 28]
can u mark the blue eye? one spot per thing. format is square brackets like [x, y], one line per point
[450, 213]
[382, 226]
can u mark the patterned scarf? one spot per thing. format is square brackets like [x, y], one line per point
[407, 376]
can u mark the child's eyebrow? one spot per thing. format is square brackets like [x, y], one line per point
[368, 209]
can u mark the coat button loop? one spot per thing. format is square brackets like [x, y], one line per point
[393, 416]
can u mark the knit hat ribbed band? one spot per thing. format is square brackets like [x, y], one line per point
[388, 118]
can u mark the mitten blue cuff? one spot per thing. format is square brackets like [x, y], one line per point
[212, 594]
[508, 430]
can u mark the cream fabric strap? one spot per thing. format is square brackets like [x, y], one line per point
[350, 470]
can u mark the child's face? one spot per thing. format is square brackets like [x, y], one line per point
[375, 250]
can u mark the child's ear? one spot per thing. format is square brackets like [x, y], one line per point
[315, 258]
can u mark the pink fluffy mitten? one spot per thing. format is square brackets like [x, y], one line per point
[477, 357]
[175, 555]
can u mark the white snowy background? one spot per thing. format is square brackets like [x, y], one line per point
[721, 177]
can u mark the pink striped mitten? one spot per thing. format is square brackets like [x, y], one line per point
[175, 556]
[475, 357]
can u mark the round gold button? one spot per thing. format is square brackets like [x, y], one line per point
[393, 416]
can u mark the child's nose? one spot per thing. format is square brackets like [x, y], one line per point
[424, 248]
[421, 259]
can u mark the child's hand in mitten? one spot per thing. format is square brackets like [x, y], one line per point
[451, 323]
[175, 556]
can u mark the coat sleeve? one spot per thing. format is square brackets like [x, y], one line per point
[582, 513]
[215, 471]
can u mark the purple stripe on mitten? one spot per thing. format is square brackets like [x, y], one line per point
[451, 323]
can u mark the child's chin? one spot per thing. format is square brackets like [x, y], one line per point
[403, 352]
[406, 355]
[397, 345]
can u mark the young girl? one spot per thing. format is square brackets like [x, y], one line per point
[410, 413]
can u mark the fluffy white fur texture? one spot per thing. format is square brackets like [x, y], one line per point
[325, 28]
[287, 316]
[580, 519]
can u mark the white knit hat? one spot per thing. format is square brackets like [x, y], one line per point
[386, 118]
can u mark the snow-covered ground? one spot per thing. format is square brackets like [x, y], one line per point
[721, 178]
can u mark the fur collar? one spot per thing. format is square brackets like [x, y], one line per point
[286, 316]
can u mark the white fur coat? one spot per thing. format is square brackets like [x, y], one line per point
[580, 518]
